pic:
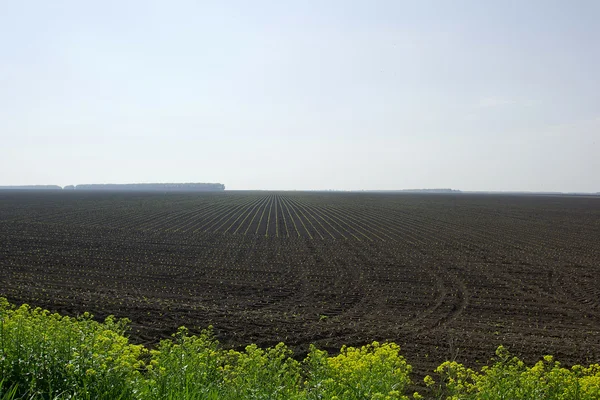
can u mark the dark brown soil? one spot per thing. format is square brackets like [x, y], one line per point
[445, 276]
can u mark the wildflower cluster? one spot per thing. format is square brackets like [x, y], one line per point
[268, 374]
[50, 356]
[509, 378]
[375, 371]
[44, 355]
[189, 365]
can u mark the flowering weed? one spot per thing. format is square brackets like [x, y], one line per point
[44, 355]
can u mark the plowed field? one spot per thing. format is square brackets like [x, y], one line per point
[445, 276]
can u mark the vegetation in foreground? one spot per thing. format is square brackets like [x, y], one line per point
[44, 355]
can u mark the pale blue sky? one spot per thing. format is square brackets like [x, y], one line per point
[472, 95]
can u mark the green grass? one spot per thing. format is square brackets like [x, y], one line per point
[48, 356]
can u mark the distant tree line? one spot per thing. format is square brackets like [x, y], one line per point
[129, 187]
[161, 187]
[31, 187]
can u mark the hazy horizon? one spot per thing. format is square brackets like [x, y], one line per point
[378, 95]
[404, 190]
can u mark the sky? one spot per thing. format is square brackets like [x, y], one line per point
[317, 94]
